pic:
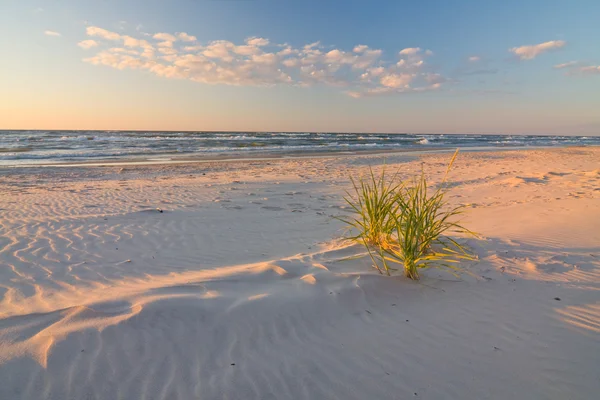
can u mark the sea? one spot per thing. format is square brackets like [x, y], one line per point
[50, 147]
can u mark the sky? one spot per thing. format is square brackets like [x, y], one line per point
[528, 66]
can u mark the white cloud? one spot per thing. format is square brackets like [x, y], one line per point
[266, 58]
[256, 41]
[257, 61]
[287, 51]
[410, 51]
[219, 49]
[376, 71]
[102, 33]
[129, 41]
[166, 43]
[87, 44]
[529, 52]
[291, 62]
[339, 57]
[366, 59]
[246, 50]
[186, 38]
[312, 46]
[412, 59]
[192, 48]
[566, 65]
[474, 59]
[396, 81]
[52, 33]
[117, 60]
[122, 50]
[167, 37]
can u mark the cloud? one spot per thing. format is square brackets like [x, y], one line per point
[291, 62]
[474, 59]
[287, 51]
[122, 50]
[360, 48]
[410, 51]
[166, 43]
[362, 71]
[192, 48]
[102, 33]
[167, 37]
[397, 81]
[219, 49]
[412, 59]
[339, 57]
[266, 58]
[591, 69]
[566, 65]
[246, 50]
[575, 68]
[529, 52]
[129, 41]
[256, 41]
[52, 33]
[186, 38]
[87, 44]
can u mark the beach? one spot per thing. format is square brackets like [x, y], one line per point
[231, 280]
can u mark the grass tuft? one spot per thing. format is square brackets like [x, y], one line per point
[406, 223]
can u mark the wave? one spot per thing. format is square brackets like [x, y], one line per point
[39, 146]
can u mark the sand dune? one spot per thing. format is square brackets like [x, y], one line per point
[229, 281]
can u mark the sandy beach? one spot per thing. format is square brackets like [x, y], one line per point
[232, 281]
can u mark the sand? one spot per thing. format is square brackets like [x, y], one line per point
[242, 289]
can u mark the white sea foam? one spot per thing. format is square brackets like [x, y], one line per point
[49, 146]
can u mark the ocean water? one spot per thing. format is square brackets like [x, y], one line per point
[42, 147]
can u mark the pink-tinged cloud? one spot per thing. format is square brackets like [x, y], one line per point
[257, 61]
[474, 59]
[256, 41]
[186, 38]
[167, 37]
[52, 33]
[102, 33]
[529, 52]
[87, 44]
[591, 69]
[396, 81]
[566, 65]
[360, 48]
[410, 51]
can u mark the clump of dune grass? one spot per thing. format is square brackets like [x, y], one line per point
[373, 206]
[406, 223]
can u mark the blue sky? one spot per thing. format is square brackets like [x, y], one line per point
[393, 66]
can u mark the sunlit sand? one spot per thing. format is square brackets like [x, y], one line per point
[230, 280]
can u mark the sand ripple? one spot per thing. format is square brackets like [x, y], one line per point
[103, 296]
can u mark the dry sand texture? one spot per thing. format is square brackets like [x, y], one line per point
[239, 288]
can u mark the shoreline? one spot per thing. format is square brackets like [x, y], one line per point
[190, 159]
